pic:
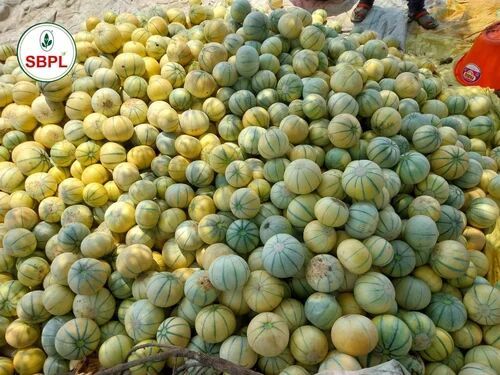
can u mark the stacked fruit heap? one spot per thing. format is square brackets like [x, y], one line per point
[252, 186]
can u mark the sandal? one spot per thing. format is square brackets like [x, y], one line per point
[360, 12]
[424, 19]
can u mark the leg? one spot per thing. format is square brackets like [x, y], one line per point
[361, 10]
[418, 13]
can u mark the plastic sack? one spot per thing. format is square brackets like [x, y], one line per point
[392, 367]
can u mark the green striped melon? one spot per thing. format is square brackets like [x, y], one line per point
[273, 144]
[32, 271]
[375, 49]
[374, 293]
[241, 101]
[354, 256]
[228, 272]
[225, 73]
[272, 45]
[434, 186]
[314, 107]
[422, 329]
[215, 323]
[362, 180]
[469, 336]
[344, 130]
[308, 345]
[412, 293]
[30, 308]
[305, 62]
[164, 289]
[447, 312]
[426, 139]
[380, 249]
[455, 360]
[441, 346]
[394, 336]
[435, 107]
[403, 262]
[347, 80]
[283, 255]
[245, 203]
[293, 312]
[199, 173]
[475, 368]
[336, 360]
[114, 350]
[274, 169]
[55, 365]
[77, 338]
[322, 310]
[294, 370]
[119, 286]
[99, 307]
[354, 334]
[199, 290]
[362, 221]
[242, 236]
[450, 162]
[174, 331]
[142, 320]
[456, 104]
[273, 225]
[324, 273]
[263, 292]
[471, 177]
[331, 212]
[212, 228]
[369, 102]
[186, 236]
[302, 176]
[482, 212]
[337, 158]
[248, 139]
[19, 242]
[386, 121]
[319, 238]
[268, 334]
[289, 88]
[247, 61]
[239, 10]
[383, 151]
[449, 259]
[413, 167]
[389, 225]
[481, 127]
[421, 233]
[300, 210]
[450, 223]
[484, 354]
[340, 103]
[482, 303]
[142, 355]
[19, 334]
[49, 332]
[237, 350]
[87, 275]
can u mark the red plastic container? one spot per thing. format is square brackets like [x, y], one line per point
[481, 65]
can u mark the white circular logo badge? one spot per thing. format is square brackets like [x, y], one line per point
[46, 52]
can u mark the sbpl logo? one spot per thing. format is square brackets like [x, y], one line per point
[46, 52]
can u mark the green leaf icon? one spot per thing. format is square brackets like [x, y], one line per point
[47, 41]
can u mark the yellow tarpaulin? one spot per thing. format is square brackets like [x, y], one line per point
[461, 22]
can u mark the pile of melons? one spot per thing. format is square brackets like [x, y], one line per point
[254, 186]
